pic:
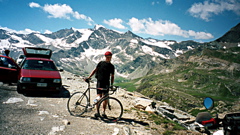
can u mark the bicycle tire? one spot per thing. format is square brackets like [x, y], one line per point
[113, 111]
[77, 104]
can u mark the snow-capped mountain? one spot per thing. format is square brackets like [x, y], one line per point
[79, 50]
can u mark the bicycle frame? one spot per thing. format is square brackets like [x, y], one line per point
[89, 95]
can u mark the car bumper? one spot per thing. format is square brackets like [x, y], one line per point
[33, 87]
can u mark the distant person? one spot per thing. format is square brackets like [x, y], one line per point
[104, 74]
[6, 52]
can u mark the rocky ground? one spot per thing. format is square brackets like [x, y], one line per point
[41, 114]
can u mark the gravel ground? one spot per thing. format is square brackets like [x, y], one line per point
[46, 114]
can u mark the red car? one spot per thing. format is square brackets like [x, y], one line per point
[38, 72]
[8, 70]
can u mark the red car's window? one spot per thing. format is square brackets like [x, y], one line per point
[39, 65]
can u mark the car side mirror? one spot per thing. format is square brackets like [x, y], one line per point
[208, 103]
[61, 70]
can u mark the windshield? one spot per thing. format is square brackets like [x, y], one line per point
[39, 65]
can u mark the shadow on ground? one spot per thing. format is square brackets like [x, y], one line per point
[8, 86]
[127, 121]
[64, 93]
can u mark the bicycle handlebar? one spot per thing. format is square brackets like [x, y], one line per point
[112, 88]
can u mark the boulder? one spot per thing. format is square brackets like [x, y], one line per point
[143, 101]
[181, 116]
[140, 107]
[150, 109]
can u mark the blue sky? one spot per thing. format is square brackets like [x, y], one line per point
[180, 20]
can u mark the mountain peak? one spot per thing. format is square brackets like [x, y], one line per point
[232, 36]
[98, 26]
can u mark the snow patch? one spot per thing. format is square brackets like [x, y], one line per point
[93, 53]
[189, 48]
[134, 41]
[43, 113]
[149, 50]
[45, 39]
[178, 53]
[86, 34]
[56, 129]
[162, 44]
[13, 100]
[31, 103]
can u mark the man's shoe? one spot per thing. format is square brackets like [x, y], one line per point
[96, 115]
[104, 115]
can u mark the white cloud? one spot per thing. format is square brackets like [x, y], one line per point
[161, 28]
[58, 11]
[136, 25]
[117, 23]
[62, 11]
[34, 5]
[169, 2]
[209, 8]
[26, 31]
[84, 17]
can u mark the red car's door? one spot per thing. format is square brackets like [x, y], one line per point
[8, 69]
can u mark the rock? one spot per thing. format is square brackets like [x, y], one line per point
[168, 108]
[143, 101]
[181, 116]
[221, 103]
[139, 132]
[66, 122]
[140, 107]
[116, 131]
[181, 80]
[191, 120]
[203, 108]
[150, 109]
[127, 130]
[165, 112]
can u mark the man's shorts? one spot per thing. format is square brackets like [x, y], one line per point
[103, 84]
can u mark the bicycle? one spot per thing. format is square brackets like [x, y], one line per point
[79, 103]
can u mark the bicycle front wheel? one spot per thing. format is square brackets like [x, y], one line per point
[77, 104]
[110, 109]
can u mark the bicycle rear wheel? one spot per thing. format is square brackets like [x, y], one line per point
[113, 111]
[77, 104]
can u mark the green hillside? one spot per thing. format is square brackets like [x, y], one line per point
[195, 75]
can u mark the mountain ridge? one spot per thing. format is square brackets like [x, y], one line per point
[73, 49]
[92, 43]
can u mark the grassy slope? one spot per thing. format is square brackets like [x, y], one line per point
[189, 83]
